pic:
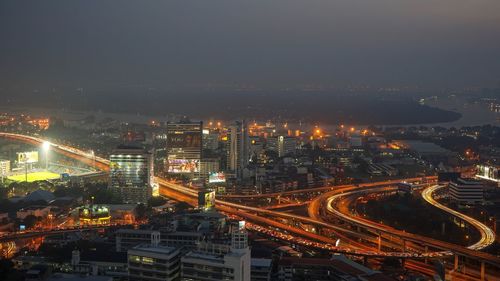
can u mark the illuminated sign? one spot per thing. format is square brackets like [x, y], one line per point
[183, 166]
[184, 140]
[27, 157]
[206, 200]
[216, 177]
[241, 225]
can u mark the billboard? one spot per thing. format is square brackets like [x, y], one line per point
[488, 172]
[183, 166]
[206, 199]
[241, 225]
[216, 177]
[27, 157]
[184, 140]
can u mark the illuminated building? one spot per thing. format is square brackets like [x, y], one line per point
[210, 139]
[130, 174]
[153, 261]
[41, 123]
[283, 145]
[490, 173]
[255, 146]
[237, 151]
[209, 166]
[94, 215]
[184, 146]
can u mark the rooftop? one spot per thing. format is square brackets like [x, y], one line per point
[76, 277]
[160, 249]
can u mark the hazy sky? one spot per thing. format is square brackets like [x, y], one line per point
[429, 43]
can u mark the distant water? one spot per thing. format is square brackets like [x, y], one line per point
[473, 113]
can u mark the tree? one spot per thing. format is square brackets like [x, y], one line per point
[30, 221]
[182, 206]
[156, 201]
[141, 211]
[8, 272]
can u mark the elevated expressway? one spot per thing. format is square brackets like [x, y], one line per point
[335, 202]
[253, 214]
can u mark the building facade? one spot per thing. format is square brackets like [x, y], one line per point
[184, 147]
[150, 262]
[237, 151]
[212, 262]
[466, 191]
[131, 170]
[283, 145]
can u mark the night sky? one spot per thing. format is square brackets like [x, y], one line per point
[257, 43]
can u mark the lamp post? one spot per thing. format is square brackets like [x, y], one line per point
[46, 148]
[93, 158]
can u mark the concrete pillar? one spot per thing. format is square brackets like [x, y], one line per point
[483, 269]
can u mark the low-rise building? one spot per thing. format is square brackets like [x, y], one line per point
[261, 269]
[466, 191]
[219, 262]
[37, 211]
[149, 262]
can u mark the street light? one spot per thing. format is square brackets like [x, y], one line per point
[46, 147]
[92, 153]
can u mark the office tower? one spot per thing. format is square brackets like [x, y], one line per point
[219, 262]
[209, 166]
[237, 152]
[131, 169]
[282, 145]
[211, 139]
[184, 145]
[153, 261]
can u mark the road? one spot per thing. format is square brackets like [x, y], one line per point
[487, 234]
[324, 188]
[241, 210]
[334, 196]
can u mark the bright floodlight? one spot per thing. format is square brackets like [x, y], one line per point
[46, 145]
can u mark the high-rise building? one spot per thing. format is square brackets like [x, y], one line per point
[210, 139]
[283, 145]
[147, 262]
[184, 146]
[131, 170]
[209, 166]
[237, 152]
[219, 262]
